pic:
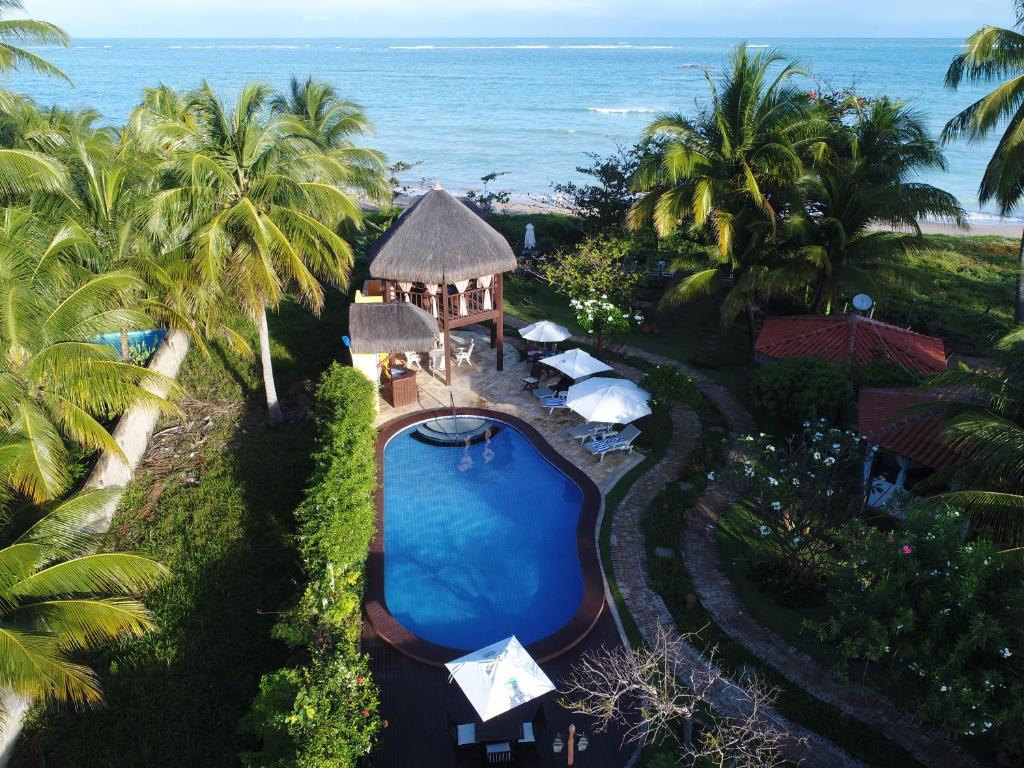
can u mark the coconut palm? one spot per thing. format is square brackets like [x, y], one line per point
[262, 205]
[14, 31]
[733, 171]
[866, 178]
[59, 597]
[996, 54]
[987, 432]
[58, 387]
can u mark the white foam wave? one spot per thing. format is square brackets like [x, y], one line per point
[981, 217]
[760, 45]
[466, 47]
[616, 46]
[622, 110]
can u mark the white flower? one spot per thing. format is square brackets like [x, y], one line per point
[765, 530]
[748, 471]
[807, 424]
[817, 456]
[829, 492]
[943, 688]
[772, 481]
[770, 448]
[796, 481]
[711, 475]
[829, 461]
[818, 435]
[1006, 653]
[776, 505]
[796, 539]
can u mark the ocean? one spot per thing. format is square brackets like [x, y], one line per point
[533, 108]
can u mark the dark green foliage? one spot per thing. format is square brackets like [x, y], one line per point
[554, 231]
[605, 202]
[322, 713]
[802, 389]
[941, 615]
[883, 373]
[670, 386]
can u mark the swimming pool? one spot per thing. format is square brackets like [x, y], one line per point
[485, 541]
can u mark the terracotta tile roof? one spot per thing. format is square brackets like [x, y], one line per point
[850, 339]
[883, 420]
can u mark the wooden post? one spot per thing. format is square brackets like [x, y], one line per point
[447, 335]
[499, 298]
[571, 745]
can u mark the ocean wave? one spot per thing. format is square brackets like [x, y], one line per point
[690, 65]
[260, 47]
[622, 110]
[616, 46]
[981, 217]
[467, 47]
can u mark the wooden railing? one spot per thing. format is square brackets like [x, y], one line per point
[460, 305]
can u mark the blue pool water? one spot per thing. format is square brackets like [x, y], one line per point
[479, 543]
[148, 340]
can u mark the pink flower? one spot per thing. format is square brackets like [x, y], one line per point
[907, 549]
[366, 713]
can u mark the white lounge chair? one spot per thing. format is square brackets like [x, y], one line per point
[554, 402]
[412, 360]
[465, 354]
[584, 432]
[623, 441]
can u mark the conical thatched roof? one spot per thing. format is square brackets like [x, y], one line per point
[439, 239]
[397, 327]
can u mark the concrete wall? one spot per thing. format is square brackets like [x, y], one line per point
[132, 433]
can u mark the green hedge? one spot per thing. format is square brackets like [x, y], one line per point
[322, 711]
[802, 389]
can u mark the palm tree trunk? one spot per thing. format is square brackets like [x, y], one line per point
[125, 348]
[273, 406]
[1018, 307]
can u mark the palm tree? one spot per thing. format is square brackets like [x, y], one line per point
[57, 385]
[992, 54]
[866, 178]
[58, 598]
[262, 204]
[732, 170]
[12, 31]
[987, 432]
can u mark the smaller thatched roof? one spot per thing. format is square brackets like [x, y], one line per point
[439, 239]
[397, 327]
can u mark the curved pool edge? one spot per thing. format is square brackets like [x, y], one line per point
[395, 634]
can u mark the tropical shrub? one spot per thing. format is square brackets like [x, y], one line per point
[668, 385]
[943, 612]
[605, 201]
[600, 318]
[802, 389]
[322, 712]
[799, 494]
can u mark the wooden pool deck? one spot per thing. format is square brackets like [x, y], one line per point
[416, 699]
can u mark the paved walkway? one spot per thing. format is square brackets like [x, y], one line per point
[701, 555]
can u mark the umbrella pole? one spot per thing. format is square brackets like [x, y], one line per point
[571, 751]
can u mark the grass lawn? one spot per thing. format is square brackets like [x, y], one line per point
[219, 515]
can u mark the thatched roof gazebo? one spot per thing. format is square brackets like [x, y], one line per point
[377, 328]
[441, 256]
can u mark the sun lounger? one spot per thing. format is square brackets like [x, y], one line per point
[623, 441]
[584, 432]
[553, 403]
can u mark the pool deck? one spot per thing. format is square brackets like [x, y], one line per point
[481, 386]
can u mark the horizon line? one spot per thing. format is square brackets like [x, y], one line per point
[511, 37]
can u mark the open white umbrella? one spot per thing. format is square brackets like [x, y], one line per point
[529, 239]
[499, 677]
[544, 331]
[576, 364]
[612, 401]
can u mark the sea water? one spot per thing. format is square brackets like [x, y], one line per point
[533, 108]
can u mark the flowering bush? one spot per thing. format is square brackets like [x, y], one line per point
[799, 494]
[668, 385]
[945, 613]
[602, 319]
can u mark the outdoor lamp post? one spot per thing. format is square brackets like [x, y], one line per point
[558, 745]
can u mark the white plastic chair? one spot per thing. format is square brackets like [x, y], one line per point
[412, 360]
[464, 354]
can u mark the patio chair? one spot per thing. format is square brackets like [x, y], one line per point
[412, 360]
[554, 402]
[623, 441]
[465, 354]
[463, 735]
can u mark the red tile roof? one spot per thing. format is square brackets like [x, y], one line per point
[883, 420]
[850, 339]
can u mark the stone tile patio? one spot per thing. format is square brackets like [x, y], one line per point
[481, 386]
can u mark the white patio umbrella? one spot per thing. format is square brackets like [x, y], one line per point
[612, 401]
[499, 677]
[529, 239]
[576, 363]
[545, 332]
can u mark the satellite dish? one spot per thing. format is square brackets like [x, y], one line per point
[862, 302]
